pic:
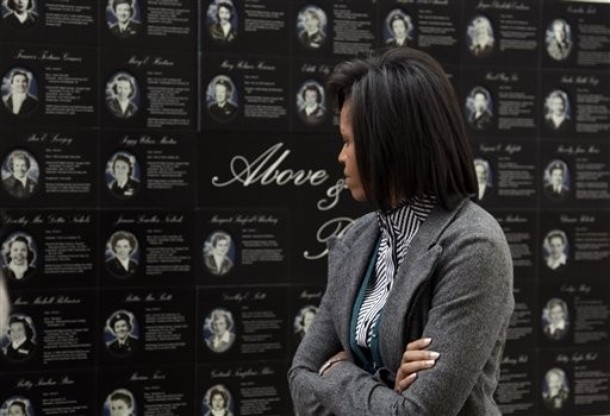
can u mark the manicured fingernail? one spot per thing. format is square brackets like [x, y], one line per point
[412, 376]
[427, 340]
[430, 362]
[434, 355]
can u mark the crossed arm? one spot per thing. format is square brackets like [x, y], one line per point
[471, 306]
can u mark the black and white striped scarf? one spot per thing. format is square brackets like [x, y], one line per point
[398, 227]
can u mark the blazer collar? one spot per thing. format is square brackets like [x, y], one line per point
[348, 260]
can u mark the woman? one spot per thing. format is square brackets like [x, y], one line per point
[218, 403]
[120, 403]
[223, 31]
[556, 106]
[429, 268]
[124, 184]
[217, 258]
[555, 319]
[21, 335]
[123, 244]
[121, 104]
[19, 101]
[401, 27]
[19, 258]
[125, 343]
[221, 324]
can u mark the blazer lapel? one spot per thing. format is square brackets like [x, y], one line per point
[347, 262]
[417, 267]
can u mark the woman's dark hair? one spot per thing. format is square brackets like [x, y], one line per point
[222, 393]
[409, 135]
[123, 235]
[24, 240]
[119, 395]
[17, 319]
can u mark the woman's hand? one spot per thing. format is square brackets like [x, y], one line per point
[415, 359]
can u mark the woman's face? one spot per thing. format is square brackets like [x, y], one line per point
[121, 170]
[119, 408]
[224, 14]
[222, 247]
[19, 84]
[481, 32]
[554, 383]
[20, 6]
[123, 89]
[557, 177]
[479, 102]
[347, 156]
[556, 105]
[219, 325]
[123, 12]
[17, 331]
[15, 410]
[20, 167]
[121, 329]
[556, 315]
[311, 22]
[558, 31]
[399, 28]
[218, 402]
[557, 247]
[220, 93]
[19, 253]
[311, 98]
[122, 248]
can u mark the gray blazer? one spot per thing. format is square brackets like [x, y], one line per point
[455, 286]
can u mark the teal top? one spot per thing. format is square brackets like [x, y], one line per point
[368, 359]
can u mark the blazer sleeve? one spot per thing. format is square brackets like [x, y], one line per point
[318, 345]
[470, 308]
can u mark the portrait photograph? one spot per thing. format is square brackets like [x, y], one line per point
[557, 112]
[120, 403]
[555, 248]
[479, 108]
[480, 36]
[122, 254]
[20, 174]
[19, 256]
[398, 29]
[219, 330]
[311, 102]
[17, 406]
[20, 15]
[312, 27]
[219, 253]
[20, 342]
[121, 334]
[558, 39]
[222, 98]
[123, 175]
[555, 319]
[555, 389]
[222, 21]
[217, 401]
[557, 180]
[304, 319]
[484, 177]
[123, 18]
[122, 95]
[19, 92]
